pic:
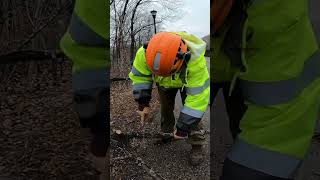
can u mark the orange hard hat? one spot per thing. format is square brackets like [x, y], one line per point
[165, 54]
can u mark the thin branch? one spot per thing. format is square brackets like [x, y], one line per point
[28, 13]
[139, 161]
[52, 18]
[145, 26]
[26, 55]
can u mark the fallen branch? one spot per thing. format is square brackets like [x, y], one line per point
[140, 163]
[149, 170]
[119, 79]
[27, 55]
[124, 138]
[60, 13]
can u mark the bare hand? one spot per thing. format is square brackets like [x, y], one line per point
[144, 115]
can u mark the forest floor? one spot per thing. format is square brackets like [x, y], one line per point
[39, 131]
[141, 158]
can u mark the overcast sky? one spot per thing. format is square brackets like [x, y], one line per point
[196, 18]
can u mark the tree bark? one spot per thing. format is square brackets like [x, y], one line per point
[132, 34]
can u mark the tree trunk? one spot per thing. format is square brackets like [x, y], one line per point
[131, 32]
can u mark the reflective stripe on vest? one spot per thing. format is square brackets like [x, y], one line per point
[192, 112]
[271, 93]
[268, 162]
[136, 72]
[156, 63]
[82, 34]
[198, 90]
[137, 87]
[90, 79]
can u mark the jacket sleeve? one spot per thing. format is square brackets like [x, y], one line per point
[198, 94]
[141, 78]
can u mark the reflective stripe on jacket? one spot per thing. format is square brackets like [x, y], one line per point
[280, 79]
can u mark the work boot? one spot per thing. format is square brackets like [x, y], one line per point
[196, 155]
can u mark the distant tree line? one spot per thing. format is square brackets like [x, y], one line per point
[131, 25]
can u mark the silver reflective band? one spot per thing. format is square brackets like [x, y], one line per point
[90, 79]
[156, 63]
[192, 112]
[198, 90]
[268, 162]
[137, 87]
[138, 73]
[271, 93]
[82, 34]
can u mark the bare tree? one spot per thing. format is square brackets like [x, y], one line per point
[131, 25]
[32, 24]
[30, 29]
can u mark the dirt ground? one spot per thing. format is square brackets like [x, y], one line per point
[39, 131]
[141, 158]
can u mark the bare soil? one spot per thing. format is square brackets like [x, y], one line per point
[141, 158]
[39, 131]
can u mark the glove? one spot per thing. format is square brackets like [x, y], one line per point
[143, 114]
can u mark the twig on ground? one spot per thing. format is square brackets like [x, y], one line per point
[141, 163]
